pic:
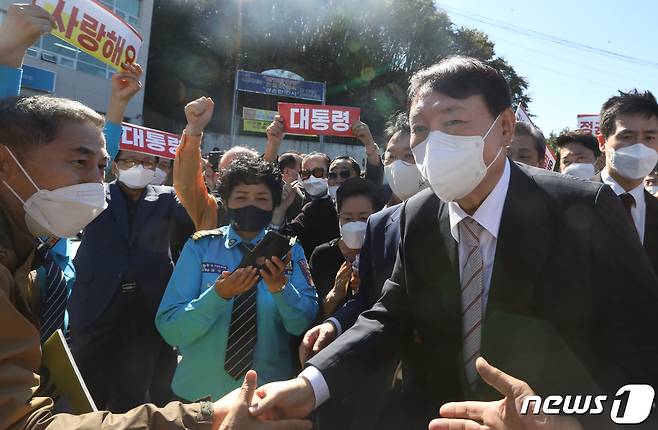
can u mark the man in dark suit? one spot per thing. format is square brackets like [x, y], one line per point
[629, 137]
[475, 272]
[123, 266]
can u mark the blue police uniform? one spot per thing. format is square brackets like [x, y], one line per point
[194, 318]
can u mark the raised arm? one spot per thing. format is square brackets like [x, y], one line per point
[188, 178]
[22, 27]
[125, 85]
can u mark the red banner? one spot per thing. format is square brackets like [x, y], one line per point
[148, 141]
[318, 119]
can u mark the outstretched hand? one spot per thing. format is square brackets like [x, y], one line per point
[285, 399]
[504, 414]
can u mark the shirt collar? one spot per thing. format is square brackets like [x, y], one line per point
[637, 192]
[233, 239]
[489, 213]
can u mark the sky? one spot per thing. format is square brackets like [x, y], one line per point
[564, 80]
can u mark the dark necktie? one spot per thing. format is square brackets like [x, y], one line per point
[52, 317]
[242, 332]
[628, 201]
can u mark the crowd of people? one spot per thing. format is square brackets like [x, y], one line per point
[451, 245]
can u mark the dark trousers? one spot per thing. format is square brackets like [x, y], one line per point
[122, 358]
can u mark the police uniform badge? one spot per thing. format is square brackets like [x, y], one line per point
[208, 267]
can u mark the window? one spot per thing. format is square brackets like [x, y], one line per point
[130, 7]
[54, 50]
[89, 64]
[57, 46]
[129, 10]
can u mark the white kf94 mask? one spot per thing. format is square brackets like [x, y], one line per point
[62, 212]
[453, 165]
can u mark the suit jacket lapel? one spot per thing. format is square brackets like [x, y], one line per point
[147, 204]
[651, 226]
[391, 243]
[446, 235]
[445, 274]
[119, 209]
[525, 241]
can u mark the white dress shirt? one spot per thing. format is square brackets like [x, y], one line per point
[488, 215]
[639, 211]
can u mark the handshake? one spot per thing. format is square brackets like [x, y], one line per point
[266, 408]
[283, 405]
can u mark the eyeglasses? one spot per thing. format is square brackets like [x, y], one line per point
[318, 172]
[129, 163]
[343, 173]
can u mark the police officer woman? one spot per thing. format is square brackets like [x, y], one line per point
[224, 320]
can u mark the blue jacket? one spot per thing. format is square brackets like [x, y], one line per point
[111, 250]
[193, 317]
[376, 261]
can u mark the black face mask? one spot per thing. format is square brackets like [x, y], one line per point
[249, 218]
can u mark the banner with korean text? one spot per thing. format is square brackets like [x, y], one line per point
[318, 119]
[148, 141]
[94, 29]
[588, 122]
[256, 120]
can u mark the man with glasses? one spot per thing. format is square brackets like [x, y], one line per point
[123, 266]
[318, 221]
[341, 169]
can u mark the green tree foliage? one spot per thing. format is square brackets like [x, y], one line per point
[365, 50]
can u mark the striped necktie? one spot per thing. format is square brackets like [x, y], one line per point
[472, 291]
[242, 332]
[52, 317]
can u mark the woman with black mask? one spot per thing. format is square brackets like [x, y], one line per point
[225, 320]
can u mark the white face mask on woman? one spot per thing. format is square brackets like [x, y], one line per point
[62, 212]
[453, 165]
[353, 233]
